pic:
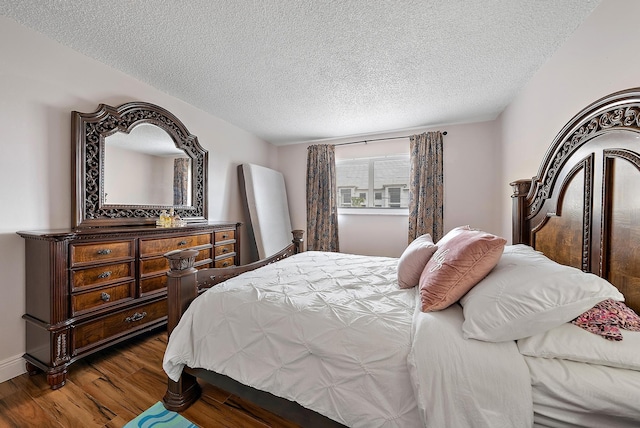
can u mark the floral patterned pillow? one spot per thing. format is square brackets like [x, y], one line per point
[607, 318]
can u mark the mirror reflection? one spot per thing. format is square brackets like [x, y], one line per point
[144, 167]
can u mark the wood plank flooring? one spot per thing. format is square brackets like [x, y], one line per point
[110, 388]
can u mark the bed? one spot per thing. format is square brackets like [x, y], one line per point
[343, 344]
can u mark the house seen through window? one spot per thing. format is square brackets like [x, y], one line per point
[381, 182]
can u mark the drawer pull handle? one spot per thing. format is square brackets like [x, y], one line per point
[225, 236]
[225, 264]
[182, 243]
[135, 317]
[105, 297]
[106, 274]
[225, 250]
[104, 252]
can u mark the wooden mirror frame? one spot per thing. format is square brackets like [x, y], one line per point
[89, 131]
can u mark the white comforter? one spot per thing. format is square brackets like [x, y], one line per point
[333, 332]
[329, 331]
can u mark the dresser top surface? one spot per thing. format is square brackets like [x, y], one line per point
[124, 230]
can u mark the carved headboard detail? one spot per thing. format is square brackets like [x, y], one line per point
[583, 207]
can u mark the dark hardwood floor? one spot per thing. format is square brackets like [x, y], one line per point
[112, 387]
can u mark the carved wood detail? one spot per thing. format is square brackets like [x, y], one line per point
[181, 259]
[90, 130]
[593, 121]
[586, 167]
[57, 378]
[60, 347]
[588, 213]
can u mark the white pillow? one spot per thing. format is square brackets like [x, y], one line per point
[528, 293]
[570, 342]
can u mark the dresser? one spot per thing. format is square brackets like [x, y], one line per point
[89, 289]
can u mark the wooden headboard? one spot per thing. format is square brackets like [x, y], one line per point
[583, 207]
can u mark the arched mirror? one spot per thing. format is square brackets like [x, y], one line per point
[132, 162]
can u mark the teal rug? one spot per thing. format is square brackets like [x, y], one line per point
[157, 416]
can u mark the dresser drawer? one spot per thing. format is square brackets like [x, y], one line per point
[154, 283]
[225, 235]
[221, 250]
[95, 299]
[160, 264]
[119, 324]
[225, 262]
[101, 275]
[152, 247]
[82, 254]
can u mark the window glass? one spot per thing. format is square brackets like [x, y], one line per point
[345, 197]
[381, 182]
[394, 197]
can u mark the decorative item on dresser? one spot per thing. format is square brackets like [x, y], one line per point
[104, 280]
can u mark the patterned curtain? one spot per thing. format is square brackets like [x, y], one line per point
[181, 181]
[426, 188]
[322, 206]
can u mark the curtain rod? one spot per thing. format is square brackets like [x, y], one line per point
[379, 139]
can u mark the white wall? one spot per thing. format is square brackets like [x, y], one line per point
[600, 58]
[471, 177]
[41, 82]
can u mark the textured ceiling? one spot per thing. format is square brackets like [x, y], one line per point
[299, 70]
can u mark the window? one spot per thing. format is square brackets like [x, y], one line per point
[377, 202]
[345, 197]
[381, 182]
[360, 201]
[394, 196]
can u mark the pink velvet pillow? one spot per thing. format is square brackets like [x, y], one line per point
[459, 264]
[414, 259]
[451, 234]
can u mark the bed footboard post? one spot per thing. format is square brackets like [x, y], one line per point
[182, 288]
[298, 241]
[519, 215]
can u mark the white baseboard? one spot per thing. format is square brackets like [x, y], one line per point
[12, 367]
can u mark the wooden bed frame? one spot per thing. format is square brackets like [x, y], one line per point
[582, 210]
